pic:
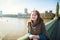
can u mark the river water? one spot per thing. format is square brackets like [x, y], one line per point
[12, 28]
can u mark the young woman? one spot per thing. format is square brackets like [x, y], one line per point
[36, 27]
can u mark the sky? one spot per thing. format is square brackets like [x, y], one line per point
[17, 6]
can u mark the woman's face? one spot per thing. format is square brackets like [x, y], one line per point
[34, 16]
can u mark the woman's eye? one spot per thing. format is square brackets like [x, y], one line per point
[33, 15]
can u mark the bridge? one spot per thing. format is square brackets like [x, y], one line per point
[53, 29]
[56, 31]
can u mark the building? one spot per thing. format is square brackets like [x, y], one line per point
[26, 11]
[46, 15]
[0, 13]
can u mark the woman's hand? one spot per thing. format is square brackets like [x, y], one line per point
[31, 36]
[35, 39]
[36, 36]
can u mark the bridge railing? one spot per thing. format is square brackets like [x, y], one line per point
[49, 28]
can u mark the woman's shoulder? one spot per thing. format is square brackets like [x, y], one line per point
[29, 22]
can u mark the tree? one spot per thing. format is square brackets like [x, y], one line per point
[57, 9]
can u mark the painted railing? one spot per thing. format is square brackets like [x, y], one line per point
[49, 28]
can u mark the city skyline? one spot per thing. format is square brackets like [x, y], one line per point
[17, 6]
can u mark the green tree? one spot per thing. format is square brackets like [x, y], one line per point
[57, 9]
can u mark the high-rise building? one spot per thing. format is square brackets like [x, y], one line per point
[26, 11]
[0, 13]
[46, 11]
[50, 11]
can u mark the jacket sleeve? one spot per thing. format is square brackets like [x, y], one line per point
[28, 27]
[43, 29]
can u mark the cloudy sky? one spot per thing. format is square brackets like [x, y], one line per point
[16, 6]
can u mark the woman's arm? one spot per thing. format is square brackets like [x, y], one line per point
[43, 29]
[28, 27]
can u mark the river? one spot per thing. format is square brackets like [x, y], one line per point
[12, 28]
